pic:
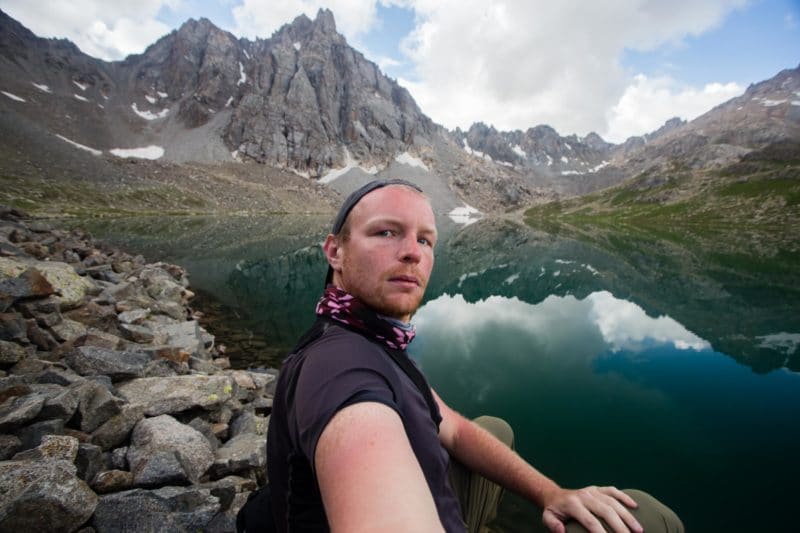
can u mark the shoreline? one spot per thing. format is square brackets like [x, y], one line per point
[118, 410]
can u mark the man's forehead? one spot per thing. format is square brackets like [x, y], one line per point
[391, 203]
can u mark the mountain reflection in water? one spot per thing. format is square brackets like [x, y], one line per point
[667, 363]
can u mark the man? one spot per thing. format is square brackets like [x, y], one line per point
[357, 440]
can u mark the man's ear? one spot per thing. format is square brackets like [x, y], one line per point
[333, 252]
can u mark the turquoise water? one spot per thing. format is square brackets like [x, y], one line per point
[666, 365]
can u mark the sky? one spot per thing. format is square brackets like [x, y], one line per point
[615, 67]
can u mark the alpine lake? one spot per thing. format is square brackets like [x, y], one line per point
[661, 360]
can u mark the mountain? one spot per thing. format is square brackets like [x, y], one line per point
[300, 109]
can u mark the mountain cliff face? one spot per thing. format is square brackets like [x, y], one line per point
[306, 102]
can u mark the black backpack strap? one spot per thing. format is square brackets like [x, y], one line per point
[401, 358]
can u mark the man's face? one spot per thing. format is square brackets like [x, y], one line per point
[387, 260]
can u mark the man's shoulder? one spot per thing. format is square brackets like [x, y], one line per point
[338, 341]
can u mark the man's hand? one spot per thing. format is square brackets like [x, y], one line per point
[588, 506]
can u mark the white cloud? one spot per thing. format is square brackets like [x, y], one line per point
[600, 321]
[518, 63]
[649, 102]
[107, 30]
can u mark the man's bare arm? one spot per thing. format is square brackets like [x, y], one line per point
[368, 475]
[479, 451]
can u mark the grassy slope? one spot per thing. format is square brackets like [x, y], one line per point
[757, 199]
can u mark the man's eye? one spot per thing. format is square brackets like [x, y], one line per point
[424, 241]
[385, 233]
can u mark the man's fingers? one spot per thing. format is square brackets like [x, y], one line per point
[619, 495]
[552, 522]
[604, 504]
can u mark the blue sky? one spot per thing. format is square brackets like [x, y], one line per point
[613, 67]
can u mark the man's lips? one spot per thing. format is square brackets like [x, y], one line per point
[410, 280]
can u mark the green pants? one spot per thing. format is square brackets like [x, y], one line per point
[480, 498]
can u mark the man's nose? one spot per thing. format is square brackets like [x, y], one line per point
[411, 250]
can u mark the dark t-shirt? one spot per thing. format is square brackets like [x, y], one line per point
[339, 369]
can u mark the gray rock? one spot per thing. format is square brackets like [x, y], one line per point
[70, 288]
[173, 509]
[228, 487]
[116, 429]
[118, 365]
[133, 316]
[96, 405]
[100, 339]
[117, 293]
[11, 352]
[183, 335]
[40, 337]
[52, 447]
[40, 306]
[174, 310]
[112, 481]
[225, 520]
[207, 430]
[16, 411]
[89, 461]
[32, 435]
[13, 327]
[119, 459]
[240, 455]
[9, 445]
[58, 376]
[249, 422]
[160, 285]
[202, 365]
[164, 450]
[29, 284]
[139, 334]
[178, 393]
[43, 496]
[93, 315]
[68, 330]
[62, 404]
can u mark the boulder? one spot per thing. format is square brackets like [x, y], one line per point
[68, 330]
[174, 394]
[116, 429]
[43, 496]
[112, 481]
[70, 288]
[29, 284]
[241, 455]
[19, 410]
[52, 447]
[32, 435]
[89, 461]
[61, 404]
[11, 352]
[117, 365]
[187, 336]
[13, 327]
[96, 405]
[164, 451]
[9, 445]
[173, 509]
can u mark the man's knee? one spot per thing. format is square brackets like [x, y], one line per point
[654, 516]
[497, 427]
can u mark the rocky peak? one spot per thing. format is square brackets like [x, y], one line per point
[669, 126]
[324, 21]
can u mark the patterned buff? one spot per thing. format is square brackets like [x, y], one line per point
[343, 307]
